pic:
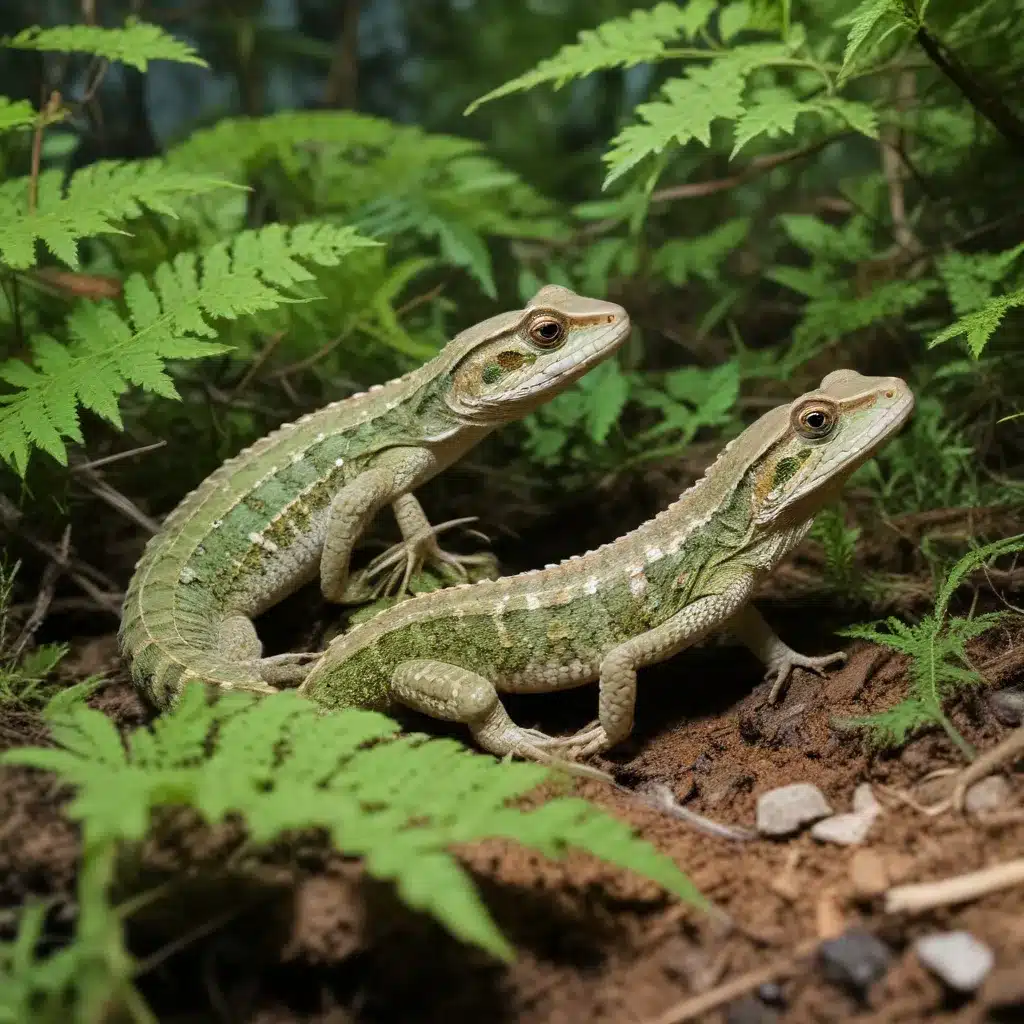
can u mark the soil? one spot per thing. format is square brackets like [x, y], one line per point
[312, 941]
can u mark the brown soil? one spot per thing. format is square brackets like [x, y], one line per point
[312, 941]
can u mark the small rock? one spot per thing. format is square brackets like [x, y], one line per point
[868, 875]
[957, 958]
[864, 800]
[784, 811]
[855, 960]
[844, 829]
[749, 1010]
[1008, 706]
[988, 795]
[772, 993]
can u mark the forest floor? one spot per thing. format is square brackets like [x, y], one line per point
[314, 941]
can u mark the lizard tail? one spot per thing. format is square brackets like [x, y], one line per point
[168, 646]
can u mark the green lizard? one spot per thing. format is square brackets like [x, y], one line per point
[294, 504]
[682, 575]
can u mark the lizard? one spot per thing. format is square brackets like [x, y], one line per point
[292, 505]
[685, 574]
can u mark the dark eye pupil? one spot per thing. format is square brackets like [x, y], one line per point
[816, 420]
[548, 331]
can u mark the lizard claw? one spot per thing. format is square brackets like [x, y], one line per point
[817, 664]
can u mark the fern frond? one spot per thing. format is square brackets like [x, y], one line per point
[16, 114]
[135, 45]
[98, 196]
[701, 256]
[971, 561]
[166, 317]
[399, 803]
[982, 324]
[872, 19]
[971, 277]
[689, 106]
[638, 38]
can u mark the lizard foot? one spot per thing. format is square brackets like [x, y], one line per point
[783, 668]
[394, 568]
[591, 739]
[285, 669]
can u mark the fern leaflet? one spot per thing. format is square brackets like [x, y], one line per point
[689, 106]
[135, 45]
[937, 647]
[775, 112]
[99, 195]
[637, 38]
[16, 114]
[701, 256]
[167, 317]
[284, 766]
[980, 325]
[871, 15]
[971, 277]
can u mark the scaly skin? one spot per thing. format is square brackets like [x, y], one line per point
[686, 573]
[293, 505]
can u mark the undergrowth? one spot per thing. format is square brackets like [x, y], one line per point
[937, 651]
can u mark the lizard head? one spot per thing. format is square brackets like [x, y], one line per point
[510, 364]
[815, 443]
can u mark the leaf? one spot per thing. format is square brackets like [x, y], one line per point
[135, 45]
[607, 391]
[689, 106]
[971, 277]
[638, 38]
[399, 803]
[99, 195]
[16, 114]
[870, 15]
[702, 255]
[167, 316]
[980, 325]
[772, 115]
[859, 116]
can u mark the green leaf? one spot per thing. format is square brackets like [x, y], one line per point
[970, 278]
[980, 325]
[607, 391]
[869, 16]
[689, 106]
[638, 38]
[773, 114]
[135, 45]
[98, 196]
[701, 256]
[167, 316]
[16, 114]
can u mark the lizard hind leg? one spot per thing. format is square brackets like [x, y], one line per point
[454, 694]
[238, 642]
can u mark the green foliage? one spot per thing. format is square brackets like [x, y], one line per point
[839, 543]
[284, 766]
[135, 45]
[16, 114]
[97, 197]
[871, 23]
[166, 317]
[937, 648]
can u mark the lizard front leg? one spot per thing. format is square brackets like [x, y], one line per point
[754, 633]
[617, 679]
[237, 641]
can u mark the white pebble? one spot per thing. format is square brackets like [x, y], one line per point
[783, 811]
[957, 958]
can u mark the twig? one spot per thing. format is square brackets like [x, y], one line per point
[340, 89]
[257, 363]
[118, 501]
[77, 569]
[661, 798]
[44, 599]
[106, 460]
[960, 889]
[988, 103]
[689, 1009]
[1009, 749]
[893, 168]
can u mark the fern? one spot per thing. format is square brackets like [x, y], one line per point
[839, 543]
[876, 19]
[16, 114]
[937, 647]
[284, 766]
[701, 256]
[97, 196]
[979, 326]
[135, 45]
[690, 105]
[775, 113]
[638, 38]
[166, 317]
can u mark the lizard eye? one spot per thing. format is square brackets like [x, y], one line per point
[546, 332]
[814, 420]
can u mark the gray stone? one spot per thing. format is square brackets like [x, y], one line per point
[987, 795]
[844, 829]
[1007, 706]
[748, 1010]
[957, 958]
[855, 960]
[786, 810]
[864, 799]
